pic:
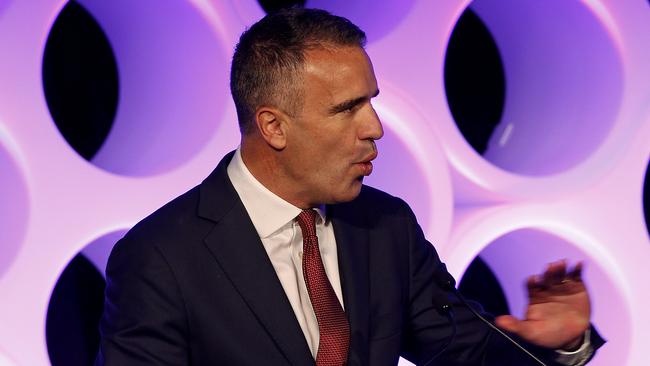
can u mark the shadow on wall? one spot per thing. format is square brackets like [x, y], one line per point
[73, 314]
[646, 198]
[80, 80]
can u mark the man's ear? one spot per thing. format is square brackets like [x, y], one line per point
[271, 124]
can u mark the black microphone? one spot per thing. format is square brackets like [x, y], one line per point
[447, 283]
[443, 306]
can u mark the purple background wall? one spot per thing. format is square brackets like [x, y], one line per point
[562, 176]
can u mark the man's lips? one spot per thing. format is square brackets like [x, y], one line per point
[366, 163]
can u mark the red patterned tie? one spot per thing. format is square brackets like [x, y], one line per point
[333, 325]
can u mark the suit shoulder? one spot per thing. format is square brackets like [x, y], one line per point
[175, 218]
[380, 200]
[374, 203]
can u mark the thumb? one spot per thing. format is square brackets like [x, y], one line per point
[509, 323]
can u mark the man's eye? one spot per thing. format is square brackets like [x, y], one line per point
[352, 108]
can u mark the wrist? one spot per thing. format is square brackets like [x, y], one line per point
[574, 345]
[576, 357]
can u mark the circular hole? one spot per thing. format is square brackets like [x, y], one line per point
[521, 253]
[98, 251]
[271, 6]
[80, 80]
[395, 156]
[563, 84]
[376, 18]
[474, 80]
[73, 314]
[479, 284]
[646, 198]
[14, 210]
[173, 84]
[76, 305]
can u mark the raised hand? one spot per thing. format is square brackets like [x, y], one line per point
[558, 311]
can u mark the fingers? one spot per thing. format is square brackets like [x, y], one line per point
[556, 276]
[533, 283]
[508, 323]
[576, 273]
[555, 273]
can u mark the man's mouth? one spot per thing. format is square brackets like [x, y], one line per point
[366, 163]
[367, 168]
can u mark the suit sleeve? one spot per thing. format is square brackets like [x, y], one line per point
[144, 320]
[429, 332]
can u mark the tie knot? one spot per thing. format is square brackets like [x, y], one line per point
[307, 221]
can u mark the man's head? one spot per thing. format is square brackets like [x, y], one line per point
[308, 125]
[269, 58]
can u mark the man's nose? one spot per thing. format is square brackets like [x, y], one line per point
[372, 127]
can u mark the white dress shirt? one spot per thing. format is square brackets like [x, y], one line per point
[274, 220]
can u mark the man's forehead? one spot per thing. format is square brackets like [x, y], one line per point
[322, 59]
[342, 70]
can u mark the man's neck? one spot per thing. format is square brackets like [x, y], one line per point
[263, 163]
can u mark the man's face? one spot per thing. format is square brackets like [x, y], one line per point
[330, 142]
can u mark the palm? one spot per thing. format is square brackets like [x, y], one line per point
[558, 313]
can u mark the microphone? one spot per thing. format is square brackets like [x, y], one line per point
[444, 280]
[447, 283]
[443, 306]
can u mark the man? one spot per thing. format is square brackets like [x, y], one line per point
[282, 257]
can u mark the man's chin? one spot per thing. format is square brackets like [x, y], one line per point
[351, 193]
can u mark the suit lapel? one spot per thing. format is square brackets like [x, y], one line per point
[238, 250]
[352, 247]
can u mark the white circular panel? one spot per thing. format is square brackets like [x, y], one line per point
[173, 84]
[14, 207]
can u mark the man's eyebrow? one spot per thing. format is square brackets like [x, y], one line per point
[351, 103]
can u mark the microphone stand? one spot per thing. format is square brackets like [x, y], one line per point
[447, 283]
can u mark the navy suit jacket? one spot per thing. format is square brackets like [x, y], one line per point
[192, 285]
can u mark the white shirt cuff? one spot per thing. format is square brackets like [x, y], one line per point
[578, 357]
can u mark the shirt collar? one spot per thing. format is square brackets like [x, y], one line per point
[267, 211]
